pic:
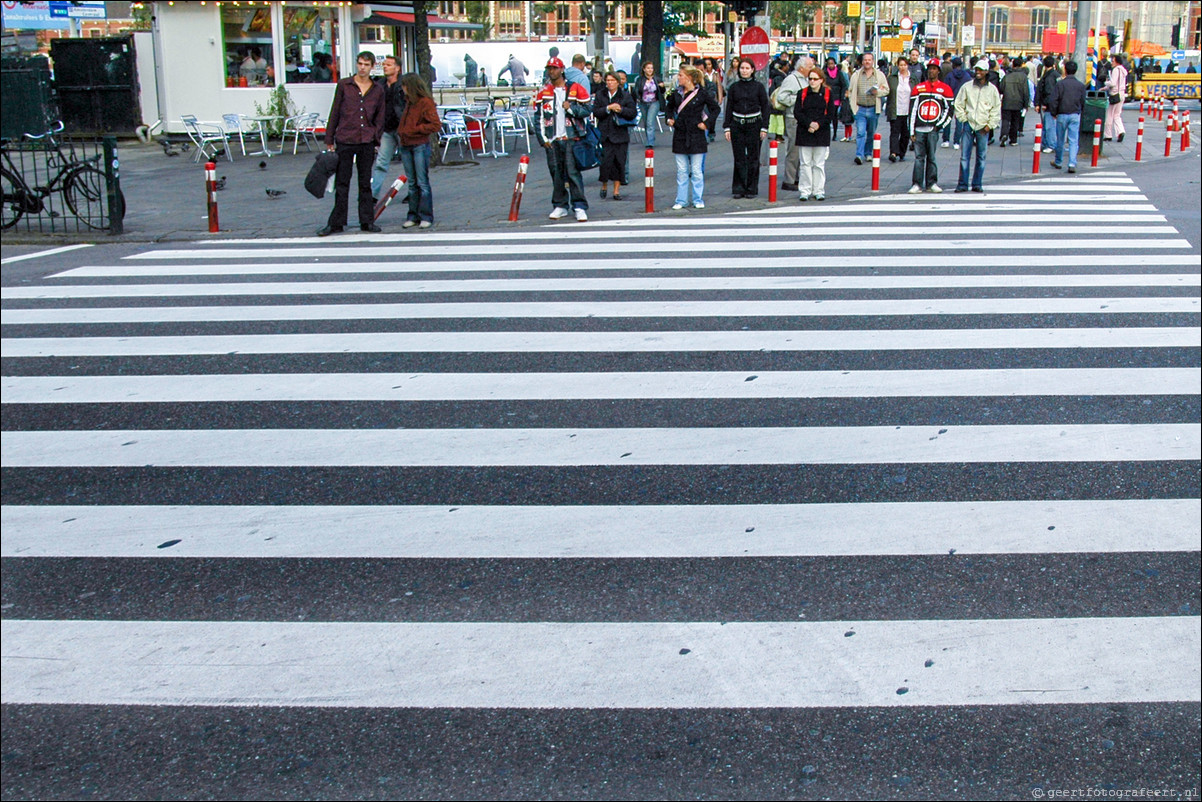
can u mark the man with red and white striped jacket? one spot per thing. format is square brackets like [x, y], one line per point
[930, 113]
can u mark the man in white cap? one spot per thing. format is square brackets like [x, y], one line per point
[979, 106]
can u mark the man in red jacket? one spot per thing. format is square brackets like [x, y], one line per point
[561, 108]
[930, 113]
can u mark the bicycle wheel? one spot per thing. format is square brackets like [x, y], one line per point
[86, 195]
[13, 199]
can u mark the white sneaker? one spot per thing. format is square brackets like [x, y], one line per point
[914, 190]
[558, 212]
[677, 206]
[935, 188]
[699, 205]
[409, 224]
[425, 224]
[1049, 150]
[581, 216]
[945, 145]
[956, 146]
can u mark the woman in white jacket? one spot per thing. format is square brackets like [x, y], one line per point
[1116, 84]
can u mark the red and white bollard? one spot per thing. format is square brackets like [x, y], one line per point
[649, 180]
[1141, 105]
[211, 193]
[1139, 140]
[773, 147]
[519, 188]
[1038, 148]
[876, 162]
[1168, 142]
[1185, 132]
[393, 191]
[1097, 142]
[1160, 113]
[1172, 124]
[1176, 115]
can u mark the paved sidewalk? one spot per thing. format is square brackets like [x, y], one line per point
[165, 196]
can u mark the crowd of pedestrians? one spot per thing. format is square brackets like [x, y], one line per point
[930, 105]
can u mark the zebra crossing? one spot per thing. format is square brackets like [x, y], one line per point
[820, 501]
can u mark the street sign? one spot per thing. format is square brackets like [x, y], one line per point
[1178, 55]
[892, 44]
[906, 23]
[968, 36]
[854, 8]
[870, 13]
[754, 45]
[1062, 27]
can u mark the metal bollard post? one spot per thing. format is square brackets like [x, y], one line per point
[876, 162]
[1097, 142]
[1038, 148]
[772, 152]
[1139, 140]
[211, 192]
[393, 191]
[519, 187]
[649, 180]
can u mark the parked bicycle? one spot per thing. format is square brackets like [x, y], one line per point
[81, 182]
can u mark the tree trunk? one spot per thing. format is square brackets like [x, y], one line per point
[421, 37]
[653, 33]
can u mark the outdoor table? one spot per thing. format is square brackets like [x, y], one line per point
[261, 122]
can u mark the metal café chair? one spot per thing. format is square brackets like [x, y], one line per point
[509, 123]
[454, 130]
[302, 127]
[206, 137]
[233, 124]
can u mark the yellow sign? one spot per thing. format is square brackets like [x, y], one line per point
[853, 8]
[1062, 27]
[1175, 85]
[892, 44]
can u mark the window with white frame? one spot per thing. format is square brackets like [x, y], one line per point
[999, 25]
[247, 44]
[1041, 20]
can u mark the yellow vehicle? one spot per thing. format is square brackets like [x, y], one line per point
[1183, 86]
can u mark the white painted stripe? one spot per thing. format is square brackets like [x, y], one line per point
[260, 267]
[605, 341]
[880, 228]
[802, 246]
[606, 385]
[39, 254]
[818, 445]
[603, 665]
[630, 283]
[1053, 198]
[605, 309]
[968, 210]
[1092, 178]
[1073, 186]
[613, 531]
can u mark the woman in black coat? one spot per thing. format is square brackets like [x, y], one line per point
[611, 104]
[746, 119]
[692, 111]
[813, 110]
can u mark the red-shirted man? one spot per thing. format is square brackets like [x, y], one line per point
[930, 112]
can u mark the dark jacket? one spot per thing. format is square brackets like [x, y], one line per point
[1043, 89]
[659, 88]
[746, 99]
[394, 104]
[1016, 90]
[686, 136]
[1068, 97]
[606, 124]
[957, 78]
[324, 166]
[891, 103]
[838, 84]
[355, 118]
[814, 107]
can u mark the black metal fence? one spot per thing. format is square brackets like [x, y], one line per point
[61, 185]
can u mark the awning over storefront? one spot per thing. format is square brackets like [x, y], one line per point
[407, 18]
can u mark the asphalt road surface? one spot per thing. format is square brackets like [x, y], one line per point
[888, 498]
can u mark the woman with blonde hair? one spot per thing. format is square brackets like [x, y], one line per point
[691, 113]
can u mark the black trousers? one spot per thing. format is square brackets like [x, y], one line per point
[348, 156]
[745, 142]
[1012, 123]
[899, 136]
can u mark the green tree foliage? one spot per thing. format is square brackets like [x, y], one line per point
[478, 12]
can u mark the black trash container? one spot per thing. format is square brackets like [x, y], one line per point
[1096, 104]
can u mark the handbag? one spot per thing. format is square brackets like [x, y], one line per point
[587, 149]
[623, 121]
[1115, 99]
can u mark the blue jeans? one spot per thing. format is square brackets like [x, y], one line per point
[389, 144]
[690, 168]
[1051, 136]
[416, 159]
[1068, 132]
[865, 127]
[968, 140]
[960, 127]
[650, 112]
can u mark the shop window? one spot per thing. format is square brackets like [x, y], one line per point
[246, 36]
[310, 44]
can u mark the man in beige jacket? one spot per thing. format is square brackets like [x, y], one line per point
[979, 106]
[868, 90]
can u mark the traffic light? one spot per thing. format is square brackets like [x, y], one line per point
[1111, 36]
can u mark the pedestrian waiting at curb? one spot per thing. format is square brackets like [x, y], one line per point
[1067, 103]
[746, 121]
[614, 109]
[814, 108]
[649, 91]
[979, 106]
[869, 86]
[561, 109]
[691, 112]
[394, 107]
[897, 109]
[353, 131]
[930, 115]
[419, 121]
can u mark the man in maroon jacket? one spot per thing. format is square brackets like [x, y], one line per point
[353, 132]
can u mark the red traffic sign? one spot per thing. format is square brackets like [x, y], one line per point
[906, 24]
[754, 45]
